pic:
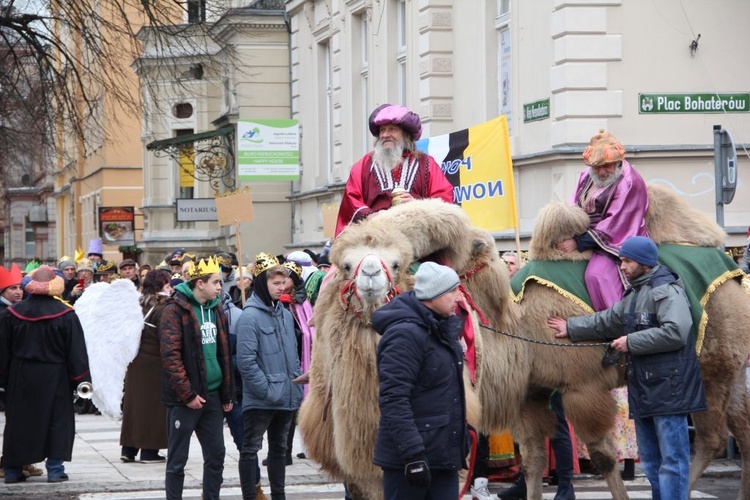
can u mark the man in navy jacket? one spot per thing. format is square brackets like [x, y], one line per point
[422, 438]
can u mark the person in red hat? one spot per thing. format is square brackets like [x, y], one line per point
[394, 172]
[43, 354]
[10, 293]
[10, 286]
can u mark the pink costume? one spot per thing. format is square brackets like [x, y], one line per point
[616, 213]
[302, 314]
[368, 189]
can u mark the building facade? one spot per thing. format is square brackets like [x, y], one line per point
[559, 70]
[196, 84]
[99, 164]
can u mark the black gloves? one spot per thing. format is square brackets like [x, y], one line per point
[417, 471]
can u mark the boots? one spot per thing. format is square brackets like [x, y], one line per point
[259, 495]
[515, 492]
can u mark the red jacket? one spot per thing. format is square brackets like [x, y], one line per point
[367, 191]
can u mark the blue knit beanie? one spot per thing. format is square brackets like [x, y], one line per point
[640, 249]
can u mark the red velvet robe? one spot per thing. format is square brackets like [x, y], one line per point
[368, 190]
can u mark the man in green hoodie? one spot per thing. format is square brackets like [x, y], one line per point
[197, 382]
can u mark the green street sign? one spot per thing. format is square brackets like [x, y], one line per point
[537, 110]
[737, 102]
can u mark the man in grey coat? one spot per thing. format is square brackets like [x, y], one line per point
[268, 362]
[653, 323]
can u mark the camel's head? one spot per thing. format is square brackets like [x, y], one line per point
[555, 223]
[373, 263]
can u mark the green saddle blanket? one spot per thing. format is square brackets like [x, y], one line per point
[702, 271]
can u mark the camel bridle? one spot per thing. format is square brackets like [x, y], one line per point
[349, 291]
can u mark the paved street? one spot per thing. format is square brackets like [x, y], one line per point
[96, 473]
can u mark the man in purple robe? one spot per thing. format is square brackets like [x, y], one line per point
[615, 198]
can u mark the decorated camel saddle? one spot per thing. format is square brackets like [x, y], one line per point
[702, 269]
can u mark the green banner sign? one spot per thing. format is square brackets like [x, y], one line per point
[738, 102]
[537, 110]
[267, 150]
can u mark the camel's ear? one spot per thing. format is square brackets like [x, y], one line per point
[478, 247]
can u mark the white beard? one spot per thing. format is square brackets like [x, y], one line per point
[388, 158]
[606, 182]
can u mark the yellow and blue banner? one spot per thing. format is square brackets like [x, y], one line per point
[477, 161]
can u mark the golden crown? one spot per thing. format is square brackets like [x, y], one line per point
[204, 267]
[293, 267]
[263, 262]
[106, 266]
[224, 259]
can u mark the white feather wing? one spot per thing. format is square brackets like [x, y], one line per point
[112, 322]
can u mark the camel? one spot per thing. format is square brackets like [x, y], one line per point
[339, 417]
[585, 384]
[514, 378]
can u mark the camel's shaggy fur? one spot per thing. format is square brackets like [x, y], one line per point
[433, 227]
[340, 408]
[339, 417]
[670, 219]
[585, 383]
[558, 221]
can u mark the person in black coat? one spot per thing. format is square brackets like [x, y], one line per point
[422, 439]
[42, 353]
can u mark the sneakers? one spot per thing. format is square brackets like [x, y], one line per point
[32, 470]
[479, 490]
[127, 458]
[151, 457]
[57, 479]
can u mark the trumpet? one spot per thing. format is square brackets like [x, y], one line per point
[84, 390]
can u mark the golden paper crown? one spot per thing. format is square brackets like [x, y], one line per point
[293, 267]
[106, 266]
[264, 262]
[204, 267]
[224, 259]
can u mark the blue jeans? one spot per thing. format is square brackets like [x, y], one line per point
[55, 468]
[664, 448]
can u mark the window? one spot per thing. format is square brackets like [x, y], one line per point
[182, 110]
[196, 11]
[186, 167]
[401, 55]
[504, 62]
[29, 240]
[503, 7]
[362, 96]
[326, 99]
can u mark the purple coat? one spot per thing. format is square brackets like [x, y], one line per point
[618, 213]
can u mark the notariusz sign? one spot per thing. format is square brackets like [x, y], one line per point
[694, 103]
